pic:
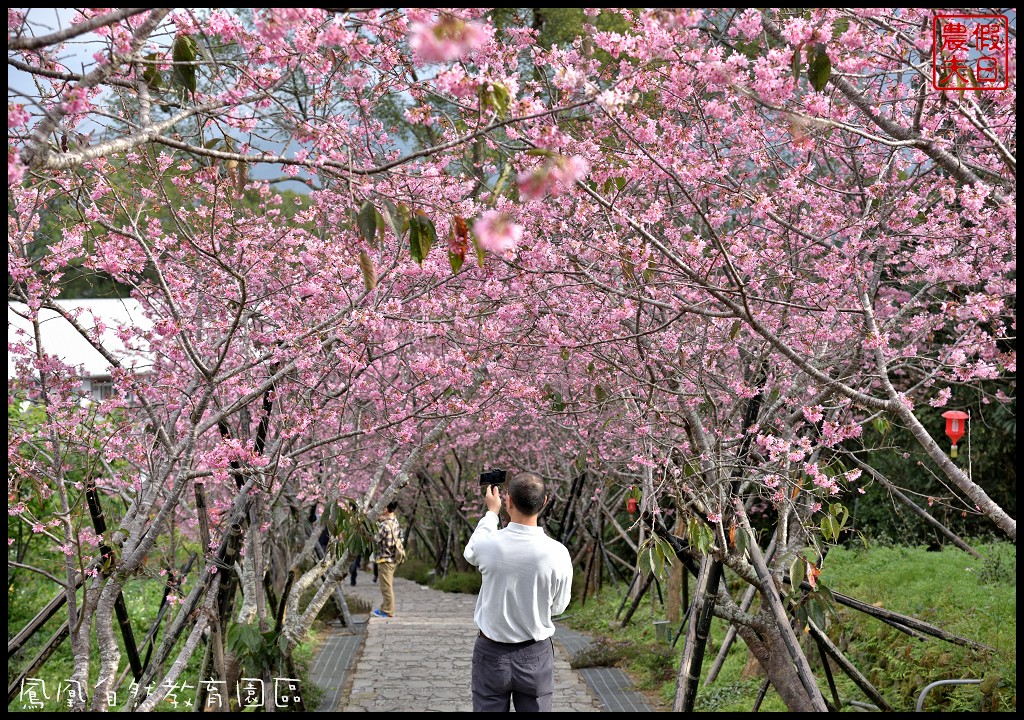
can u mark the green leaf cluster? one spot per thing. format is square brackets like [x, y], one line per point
[258, 651]
[183, 53]
[700, 535]
[834, 522]
[350, 528]
[656, 556]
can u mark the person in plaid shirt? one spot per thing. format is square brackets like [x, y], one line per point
[389, 551]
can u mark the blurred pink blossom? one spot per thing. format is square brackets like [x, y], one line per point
[15, 169]
[448, 39]
[17, 115]
[555, 176]
[497, 233]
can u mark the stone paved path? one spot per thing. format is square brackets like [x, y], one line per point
[420, 659]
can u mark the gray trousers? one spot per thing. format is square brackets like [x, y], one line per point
[521, 673]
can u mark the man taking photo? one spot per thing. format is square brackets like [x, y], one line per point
[527, 579]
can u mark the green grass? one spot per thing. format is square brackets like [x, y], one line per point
[951, 589]
[28, 595]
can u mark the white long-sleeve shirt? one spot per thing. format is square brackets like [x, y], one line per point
[527, 579]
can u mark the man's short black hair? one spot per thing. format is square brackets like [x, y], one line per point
[527, 493]
[392, 506]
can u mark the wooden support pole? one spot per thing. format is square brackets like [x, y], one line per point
[187, 609]
[106, 554]
[636, 601]
[37, 662]
[279, 620]
[229, 583]
[567, 523]
[125, 623]
[215, 643]
[682, 624]
[204, 668]
[15, 643]
[268, 588]
[760, 695]
[836, 702]
[848, 667]
[625, 597]
[147, 642]
[730, 635]
[588, 571]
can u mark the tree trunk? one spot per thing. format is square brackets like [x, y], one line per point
[769, 649]
[110, 654]
[783, 624]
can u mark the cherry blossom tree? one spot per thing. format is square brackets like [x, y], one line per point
[694, 255]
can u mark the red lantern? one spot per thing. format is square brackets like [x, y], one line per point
[631, 505]
[955, 426]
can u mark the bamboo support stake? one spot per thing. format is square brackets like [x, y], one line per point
[191, 602]
[229, 583]
[198, 704]
[215, 644]
[848, 667]
[208, 611]
[823, 654]
[120, 609]
[636, 576]
[782, 620]
[636, 601]
[697, 636]
[26, 633]
[762, 691]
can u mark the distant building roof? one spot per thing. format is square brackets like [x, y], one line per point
[59, 338]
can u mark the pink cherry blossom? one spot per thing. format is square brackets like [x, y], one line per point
[450, 38]
[17, 116]
[496, 233]
[554, 176]
[15, 169]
